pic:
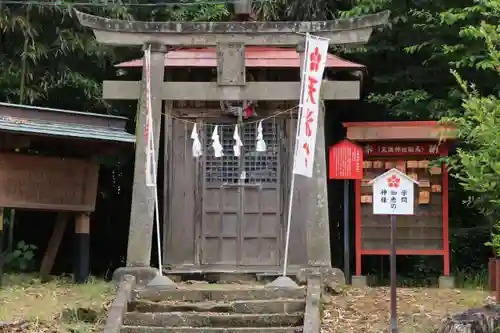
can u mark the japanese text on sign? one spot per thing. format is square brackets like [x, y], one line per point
[401, 149]
[393, 194]
[316, 54]
[346, 161]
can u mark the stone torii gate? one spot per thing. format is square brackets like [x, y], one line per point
[230, 39]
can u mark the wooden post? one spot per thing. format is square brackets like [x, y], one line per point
[492, 271]
[497, 282]
[82, 250]
[1, 245]
[446, 236]
[53, 246]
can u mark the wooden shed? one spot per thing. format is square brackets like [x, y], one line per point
[49, 161]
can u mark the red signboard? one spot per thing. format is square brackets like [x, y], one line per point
[346, 161]
[403, 149]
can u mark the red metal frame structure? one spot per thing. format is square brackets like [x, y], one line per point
[402, 134]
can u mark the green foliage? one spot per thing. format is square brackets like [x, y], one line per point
[288, 10]
[47, 56]
[477, 164]
[409, 60]
[21, 258]
[495, 240]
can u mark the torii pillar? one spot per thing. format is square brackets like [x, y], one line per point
[230, 38]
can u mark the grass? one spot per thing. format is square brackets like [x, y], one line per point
[420, 310]
[55, 306]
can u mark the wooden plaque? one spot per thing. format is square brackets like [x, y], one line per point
[47, 183]
[423, 231]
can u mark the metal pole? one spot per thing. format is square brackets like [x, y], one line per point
[241, 181]
[394, 321]
[347, 257]
[292, 182]
[290, 199]
[155, 166]
[157, 217]
[289, 220]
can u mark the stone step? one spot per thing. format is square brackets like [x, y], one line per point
[250, 306]
[176, 319]
[148, 329]
[218, 294]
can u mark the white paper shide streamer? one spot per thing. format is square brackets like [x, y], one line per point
[237, 142]
[260, 144]
[216, 145]
[197, 151]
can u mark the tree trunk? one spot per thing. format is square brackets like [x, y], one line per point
[480, 320]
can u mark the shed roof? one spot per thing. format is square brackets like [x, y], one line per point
[399, 130]
[264, 57]
[33, 120]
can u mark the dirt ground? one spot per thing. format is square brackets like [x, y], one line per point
[420, 310]
[60, 306]
[57, 306]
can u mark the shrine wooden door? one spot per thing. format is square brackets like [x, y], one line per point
[242, 218]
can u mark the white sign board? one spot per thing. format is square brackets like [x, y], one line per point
[393, 193]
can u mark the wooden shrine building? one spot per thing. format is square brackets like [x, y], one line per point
[49, 162]
[213, 220]
[228, 213]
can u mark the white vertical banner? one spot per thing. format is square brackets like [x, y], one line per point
[315, 56]
[313, 66]
[149, 135]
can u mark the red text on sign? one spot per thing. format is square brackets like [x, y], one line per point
[307, 151]
[311, 89]
[309, 120]
[315, 60]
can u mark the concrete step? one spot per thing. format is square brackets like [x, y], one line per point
[219, 294]
[146, 329]
[176, 319]
[250, 306]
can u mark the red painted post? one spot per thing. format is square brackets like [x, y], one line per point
[492, 270]
[497, 284]
[358, 226]
[446, 239]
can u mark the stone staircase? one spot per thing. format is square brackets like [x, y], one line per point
[208, 308]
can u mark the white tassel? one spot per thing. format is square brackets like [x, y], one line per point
[260, 144]
[237, 142]
[197, 151]
[216, 145]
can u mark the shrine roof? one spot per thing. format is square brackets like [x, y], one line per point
[399, 130]
[33, 120]
[264, 57]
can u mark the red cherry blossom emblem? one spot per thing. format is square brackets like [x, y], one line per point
[393, 181]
